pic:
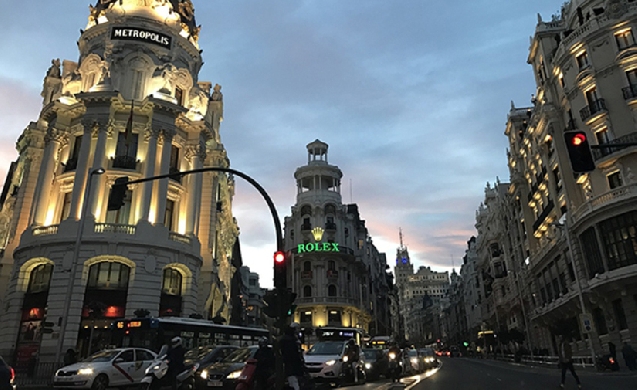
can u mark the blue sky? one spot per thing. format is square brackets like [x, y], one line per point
[411, 96]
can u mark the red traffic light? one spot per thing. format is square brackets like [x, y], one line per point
[279, 257]
[578, 139]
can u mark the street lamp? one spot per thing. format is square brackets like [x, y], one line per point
[76, 255]
[567, 231]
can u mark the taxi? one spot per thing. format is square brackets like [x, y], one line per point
[108, 368]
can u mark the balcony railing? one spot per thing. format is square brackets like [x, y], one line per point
[605, 199]
[306, 275]
[306, 226]
[630, 92]
[330, 226]
[592, 109]
[335, 300]
[114, 228]
[45, 230]
[332, 274]
[603, 152]
[124, 162]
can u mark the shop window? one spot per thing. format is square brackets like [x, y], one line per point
[306, 317]
[334, 317]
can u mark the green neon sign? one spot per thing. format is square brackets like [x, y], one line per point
[318, 247]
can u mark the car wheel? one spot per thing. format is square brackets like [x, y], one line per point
[100, 383]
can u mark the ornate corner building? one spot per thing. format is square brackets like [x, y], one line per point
[585, 65]
[134, 106]
[338, 273]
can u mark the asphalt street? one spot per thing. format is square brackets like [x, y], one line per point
[476, 374]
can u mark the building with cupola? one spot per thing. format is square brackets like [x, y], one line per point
[132, 106]
[338, 273]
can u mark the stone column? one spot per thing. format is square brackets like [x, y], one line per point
[194, 190]
[82, 168]
[98, 162]
[41, 199]
[149, 170]
[199, 161]
[162, 193]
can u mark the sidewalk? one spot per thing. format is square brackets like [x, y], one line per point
[588, 369]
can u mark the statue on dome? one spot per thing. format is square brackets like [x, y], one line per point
[54, 69]
[99, 8]
[217, 96]
[186, 11]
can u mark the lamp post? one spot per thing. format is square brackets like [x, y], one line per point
[567, 231]
[76, 255]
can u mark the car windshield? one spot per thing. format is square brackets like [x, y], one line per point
[428, 352]
[326, 348]
[370, 354]
[412, 353]
[240, 355]
[103, 356]
[199, 353]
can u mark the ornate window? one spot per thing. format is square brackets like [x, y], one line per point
[172, 282]
[307, 266]
[307, 291]
[40, 278]
[108, 275]
[331, 290]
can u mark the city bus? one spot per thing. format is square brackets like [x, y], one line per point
[152, 333]
[380, 342]
[329, 333]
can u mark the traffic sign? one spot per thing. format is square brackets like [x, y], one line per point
[587, 323]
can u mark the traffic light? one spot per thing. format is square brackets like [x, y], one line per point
[579, 151]
[280, 270]
[288, 304]
[118, 193]
[47, 327]
[271, 308]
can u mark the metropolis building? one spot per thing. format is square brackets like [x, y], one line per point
[339, 275]
[133, 105]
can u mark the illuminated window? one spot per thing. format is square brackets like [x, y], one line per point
[582, 60]
[306, 317]
[624, 39]
[66, 206]
[179, 95]
[170, 212]
[602, 136]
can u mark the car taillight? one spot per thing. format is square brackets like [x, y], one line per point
[612, 361]
[12, 373]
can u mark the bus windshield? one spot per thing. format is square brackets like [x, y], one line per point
[327, 348]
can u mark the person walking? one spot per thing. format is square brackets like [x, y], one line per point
[292, 358]
[5, 375]
[70, 357]
[265, 364]
[630, 356]
[175, 359]
[566, 360]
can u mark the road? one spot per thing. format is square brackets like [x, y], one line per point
[476, 374]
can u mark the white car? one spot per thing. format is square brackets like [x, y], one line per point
[107, 368]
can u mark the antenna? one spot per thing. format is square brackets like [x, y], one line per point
[351, 198]
[400, 235]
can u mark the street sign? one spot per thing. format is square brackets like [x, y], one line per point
[587, 324]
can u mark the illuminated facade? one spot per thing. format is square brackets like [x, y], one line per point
[585, 65]
[338, 274]
[134, 106]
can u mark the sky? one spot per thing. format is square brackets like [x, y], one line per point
[411, 96]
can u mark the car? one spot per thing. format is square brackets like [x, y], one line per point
[118, 367]
[454, 352]
[375, 363]
[327, 362]
[429, 358]
[413, 362]
[223, 375]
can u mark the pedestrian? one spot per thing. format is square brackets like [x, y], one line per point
[292, 357]
[612, 350]
[630, 356]
[70, 357]
[5, 375]
[175, 359]
[566, 360]
[265, 364]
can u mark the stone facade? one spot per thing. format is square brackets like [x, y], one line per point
[132, 105]
[339, 275]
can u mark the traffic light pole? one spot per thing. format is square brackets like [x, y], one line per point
[281, 322]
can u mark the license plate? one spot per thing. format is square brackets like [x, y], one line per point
[215, 383]
[64, 379]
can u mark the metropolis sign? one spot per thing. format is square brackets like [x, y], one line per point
[141, 35]
[318, 247]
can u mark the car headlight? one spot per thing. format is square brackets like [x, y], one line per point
[234, 375]
[330, 362]
[85, 371]
[392, 355]
[368, 365]
[414, 360]
[345, 359]
[204, 374]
